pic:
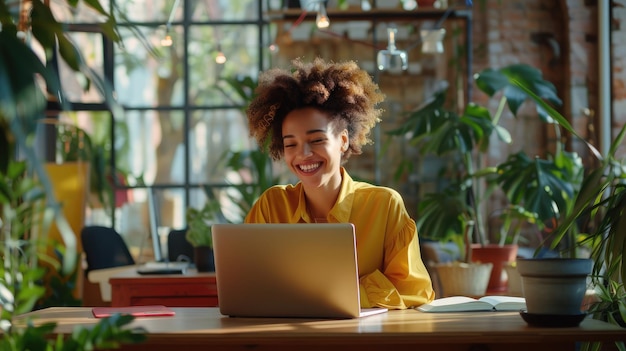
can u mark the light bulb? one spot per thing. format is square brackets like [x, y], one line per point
[274, 48]
[365, 5]
[220, 59]
[167, 40]
[409, 5]
[322, 20]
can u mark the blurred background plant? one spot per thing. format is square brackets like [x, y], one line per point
[31, 42]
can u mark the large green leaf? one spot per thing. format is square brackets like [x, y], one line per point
[510, 81]
[423, 120]
[433, 129]
[539, 185]
[442, 216]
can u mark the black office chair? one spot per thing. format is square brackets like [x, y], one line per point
[178, 248]
[104, 248]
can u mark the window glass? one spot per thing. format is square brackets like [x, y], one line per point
[148, 74]
[82, 13]
[75, 84]
[152, 10]
[223, 10]
[150, 146]
[212, 133]
[207, 83]
[183, 110]
[133, 224]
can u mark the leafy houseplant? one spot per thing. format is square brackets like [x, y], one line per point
[24, 214]
[433, 129]
[596, 221]
[199, 234]
[28, 206]
[199, 224]
[537, 189]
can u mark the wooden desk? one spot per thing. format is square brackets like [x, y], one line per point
[128, 288]
[207, 329]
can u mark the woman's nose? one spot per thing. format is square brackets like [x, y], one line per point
[306, 149]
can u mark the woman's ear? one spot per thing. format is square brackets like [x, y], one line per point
[345, 139]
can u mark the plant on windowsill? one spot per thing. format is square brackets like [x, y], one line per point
[537, 189]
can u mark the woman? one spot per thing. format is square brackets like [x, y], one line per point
[315, 118]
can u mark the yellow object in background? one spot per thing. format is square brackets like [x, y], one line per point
[70, 181]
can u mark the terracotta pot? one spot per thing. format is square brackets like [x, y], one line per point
[499, 256]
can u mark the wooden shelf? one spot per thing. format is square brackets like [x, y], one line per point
[374, 14]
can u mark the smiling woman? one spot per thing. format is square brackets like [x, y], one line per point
[314, 119]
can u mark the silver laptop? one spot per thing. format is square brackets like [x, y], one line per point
[287, 270]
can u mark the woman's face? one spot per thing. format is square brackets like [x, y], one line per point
[313, 147]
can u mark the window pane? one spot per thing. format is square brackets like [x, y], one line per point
[82, 13]
[133, 224]
[241, 48]
[147, 79]
[74, 84]
[152, 10]
[212, 133]
[150, 146]
[224, 10]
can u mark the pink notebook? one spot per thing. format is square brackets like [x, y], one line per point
[137, 311]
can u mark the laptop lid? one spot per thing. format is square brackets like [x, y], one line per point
[287, 270]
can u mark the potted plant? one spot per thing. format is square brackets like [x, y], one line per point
[199, 234]
[465, 137]
[597, 222]
[594, 220]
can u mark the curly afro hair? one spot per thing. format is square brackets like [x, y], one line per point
[342, 90]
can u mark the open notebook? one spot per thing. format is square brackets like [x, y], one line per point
[287, 270]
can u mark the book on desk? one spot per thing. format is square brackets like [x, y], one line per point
[135, 311]
[466, 304]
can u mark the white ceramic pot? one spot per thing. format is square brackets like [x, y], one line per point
[554, 286]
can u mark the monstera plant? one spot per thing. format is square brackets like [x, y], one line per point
[537, 189]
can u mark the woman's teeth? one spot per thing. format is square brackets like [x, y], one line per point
[309, 167]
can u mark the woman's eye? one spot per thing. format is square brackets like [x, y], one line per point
[317, 141]
[288, 146]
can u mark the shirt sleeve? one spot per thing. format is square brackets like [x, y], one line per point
[404, 283]
[407, 271]
[403, 275]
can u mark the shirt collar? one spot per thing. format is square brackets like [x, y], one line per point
[340, 211]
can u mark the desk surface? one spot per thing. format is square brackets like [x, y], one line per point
[206, 328]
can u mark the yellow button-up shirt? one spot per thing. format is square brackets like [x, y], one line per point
[392, 273]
